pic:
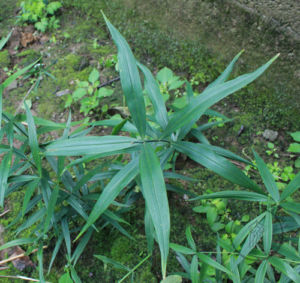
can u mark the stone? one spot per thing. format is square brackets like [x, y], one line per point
[270, 135]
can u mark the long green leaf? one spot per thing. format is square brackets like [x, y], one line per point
[194, 270]
[209, 261]
[4, 171]
[18, 242]
[89, 145]
[4, 40]
[261, 272]
[130, 79]
[193, 111]
[155, 194]
[51, 207]
[55, 251]
[267, 177]
[284, 268]
[67, 237]
[293, 186]
[111, 191]
[224, 76]
[181, 249]
[218, 164]
[155, 96]
[33, 141]
[240, 195]
[268, 232]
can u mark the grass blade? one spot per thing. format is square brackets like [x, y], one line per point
[189, 238]
[110, 192]
[4, 40]
[51, 207]
[155, 96]
[209, 261]
[155, 194]
[216, 163]
[194, 270]
[4, 172]
[240, 195]
[33, 141]
[89, 145]
[55, 251]
[130, 79]
[18, 242]
[194, 110]
[267, 177]
[67, 237]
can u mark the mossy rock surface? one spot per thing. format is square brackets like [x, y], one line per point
[4, 59]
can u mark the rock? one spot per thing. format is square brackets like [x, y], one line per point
[270, 135]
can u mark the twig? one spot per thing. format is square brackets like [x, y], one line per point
[21, 277]
[109, 82]
[22, 102]
[18, 256]
[3, 213]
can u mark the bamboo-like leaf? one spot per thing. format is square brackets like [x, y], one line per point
[111, 191]
[114, 263]
[74, 275]
[155, 96]
[287, 250]
[67, 237]
[51, 207]
[130, 79]
[55, 251]
[194, 110]
[18, 242]
[293, 186]
[234, 268]
[33, 141]
[80, 247]
[267, 177]
[4, 171]
[181, 249]
[261, 272]
[209, 261]
[224, 76]
[154, 192]
[37, 216]
[240, 195]
[89, 145]
[194, 270]
[284, 268]
[4, 40]
[189, 237]
[253, 238]
[246, 230]
[268, 232]
[291, 207]
[40, 260]
[220, 165]
[149, 231]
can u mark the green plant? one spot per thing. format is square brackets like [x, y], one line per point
[272, 150]
[61, 196]
[40, 13]
[295, 147]
[257, 242]
[4, 40]
[89, 94]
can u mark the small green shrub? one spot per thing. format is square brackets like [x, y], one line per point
[40, 13]
[295, 147]
[66, 197]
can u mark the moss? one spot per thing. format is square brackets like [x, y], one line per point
[28, 56]
[4, 59]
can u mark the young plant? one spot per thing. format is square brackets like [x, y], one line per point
[153, 141]
[40, 13]
[89, 95]
[295, 147]
[257, 241]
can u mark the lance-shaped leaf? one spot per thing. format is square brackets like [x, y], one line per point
[261, 272]
[224, 76]
[292, 187]
[89, 145]
[4, 171]
[130, 79]
[198, 105]
[240, 195]
[155, 96]
[155, 194]
[33, 141]
[220, 165]
[18, 242]
[268, 232]
[267, 177]
[111, 191]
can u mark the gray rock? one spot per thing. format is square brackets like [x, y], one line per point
[270, 135]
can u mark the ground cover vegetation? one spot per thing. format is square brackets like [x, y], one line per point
[72, 183]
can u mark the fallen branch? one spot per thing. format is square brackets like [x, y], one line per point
[109, 82]
[3, 213]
